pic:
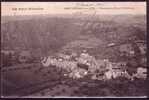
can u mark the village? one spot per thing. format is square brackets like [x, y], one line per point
[83, 64]
[75, 66]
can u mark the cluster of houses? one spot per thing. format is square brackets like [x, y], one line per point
[80, 66]
[12, 57]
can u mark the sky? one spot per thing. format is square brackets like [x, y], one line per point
[35, 8]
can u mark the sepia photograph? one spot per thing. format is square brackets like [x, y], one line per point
[73, 49]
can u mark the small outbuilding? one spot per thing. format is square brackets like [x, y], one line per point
[24, 56]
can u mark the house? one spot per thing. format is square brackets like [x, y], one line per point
[143, 48]
[141, 73]
[24, 56]
[7, 57]
[126, 50]
[64, 56]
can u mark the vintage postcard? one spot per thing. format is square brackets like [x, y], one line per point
[73, 49]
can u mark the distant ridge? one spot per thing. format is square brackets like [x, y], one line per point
[5, 19]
